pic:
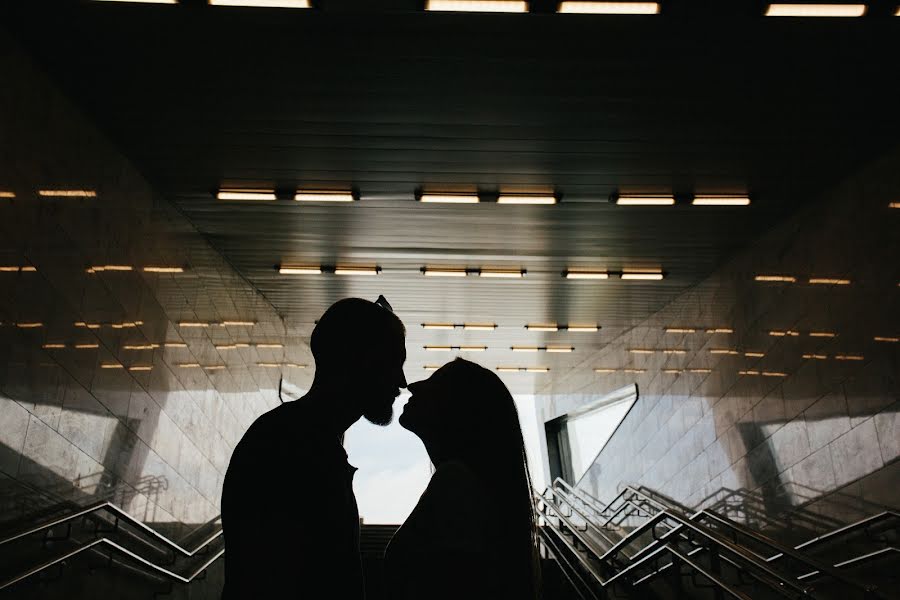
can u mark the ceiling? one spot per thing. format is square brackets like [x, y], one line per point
[391, 102]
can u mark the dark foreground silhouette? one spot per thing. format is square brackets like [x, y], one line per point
[288, 510]
[472, 533]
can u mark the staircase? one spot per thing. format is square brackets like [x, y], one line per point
[638, 545]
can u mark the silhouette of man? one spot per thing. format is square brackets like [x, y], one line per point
[288, 511]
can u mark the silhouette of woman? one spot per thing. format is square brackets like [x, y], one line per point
[472, 534]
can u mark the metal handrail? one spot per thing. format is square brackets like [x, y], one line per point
[121, 514]
[765, 540]
[780, 587]
[93, 545]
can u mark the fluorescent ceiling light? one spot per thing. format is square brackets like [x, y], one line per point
[274, 345]
[140, 347]
[438, 348]
[431, 367]
[560, 349]
[53, 346]
[674, 351]
[502, 273]
[645, 200]
[175, 345]
[506, 6]
[773, 374]
[720, 330]
[822, 334]
[815, 356]
[679, 330]
[849, 357]
[88, 325]
[101, 268]
[754, 354]
[233, 194]
[268, 365]
[111, 366]
[4, 194]
[542, 327]
[816, 10]
[213, 367]
[582, 328]
[438, 325]
[357, 270]
[126, 324]
[585, 274]
[300, 270]
[192, 324]
[263, 3]
[636, 371]
[672, 371]
[507, 369]
[17, 269]
[525, 199]
[479, 326]
[86, 346]
[778, 278]
[723, 351]
[895, 204]
[238, 323]
[701, 371]
[882, 338]
[164, 269]
[827, 281]
[189, 365]
[140, 368]
[643, 275]
[29, 325]
[472, 348]
[604, 371]
[641, 351]
[450, 198]
[323, 196]
[610, 8]
[432, 272]
[524, 348]
[788, 333]
[67, 193]
[537, 370]
[720, 200]
[750, 372]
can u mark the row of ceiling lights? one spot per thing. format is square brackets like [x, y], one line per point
[564, 6]
[642, 274]
[621, 199]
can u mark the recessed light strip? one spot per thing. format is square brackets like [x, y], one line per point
[449, 199]
[238, 194]
[609, 8]
[500, 6]
[816, 10]
[263, 3]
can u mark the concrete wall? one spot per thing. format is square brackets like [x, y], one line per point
[802, 432]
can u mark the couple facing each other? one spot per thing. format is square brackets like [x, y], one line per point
[289, 515]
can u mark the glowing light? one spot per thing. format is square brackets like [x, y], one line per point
[700, 371]
[268, 365]
[641, 351]
[537, 369]
[86, 346]
[503, 6]
[235, 194]
[323, 196]
[140, 368]
[126, 324]
[357, 270]
[67, 193]
[895, 204]
[525, 199]
[609, 8]
[880, 338]
[849, 357]
[431, 272]
[53, 346]
[507, 369]
[754, 354]
[542, 327]
[449, 198]
[680, 330]
[300, 270]
[263, 3]
[827, 281]
[822, 334]
[189, 365]
[438, 326]
[502, 273]
[141, 347]
[635, 371]
[32, 325]
[643, 275]
[102, 268]
[674, 351]
[720, 330]
[560, 349]
[17, 269]
[192, 324]
[815, 356]
[524, 348]
[226, 346]
[175, 345]
[238, 323]
[773, 374]
[438, 348]
[479, 326]
[604, 371]
[672, 371]
[776, 278]
[295, 366]
[111, 366]
[214, 367]
[645, 200]
[586, 274]
[721, 200]
[816, 10]
[4, 194]
[269, 345]
[583, 328]
[472, 348]
[750, 372]
[723, 351]
[86, 325]
[163, 269]
[788, 333]
[431, 367]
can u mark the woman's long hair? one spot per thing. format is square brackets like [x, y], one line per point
[490, 443]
